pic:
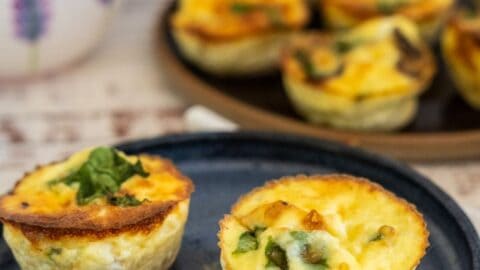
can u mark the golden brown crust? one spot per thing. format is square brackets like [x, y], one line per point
[373, 187]
[88, 220]
[145, 225]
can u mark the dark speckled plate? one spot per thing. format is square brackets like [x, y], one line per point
[224, 166]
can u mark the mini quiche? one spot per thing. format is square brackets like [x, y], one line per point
[461, 52]
[236, 37]
[335, 222]
[99, 209]
[368, 78]
[429, 15]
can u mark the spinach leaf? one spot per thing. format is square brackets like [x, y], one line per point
[314, 255]
[383, 232]
[124, 201]
[276, 256]
[303, 58]
[101, 175]
[299, 235]
[53, 251]
[377, 237]
[247, 242]
[343, 46]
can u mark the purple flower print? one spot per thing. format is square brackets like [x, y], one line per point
[31, 21]
[31, 18]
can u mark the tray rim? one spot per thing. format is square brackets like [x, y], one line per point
[428, 146]
[448, 203]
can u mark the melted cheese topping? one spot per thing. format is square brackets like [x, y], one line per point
[231, 19]
[36, 199]
[370, 66]
[418, 10]
[355, 225]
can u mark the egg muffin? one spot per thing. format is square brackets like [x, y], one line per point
[336, 222]
[366, 79]
[236, 37]
[99, 209]
[461, 52]
[429, 15]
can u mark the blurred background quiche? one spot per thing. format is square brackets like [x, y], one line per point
[429, 15]
[236, 37]
[368, 78]
[461, 52]
[97, 210]
[322, 222]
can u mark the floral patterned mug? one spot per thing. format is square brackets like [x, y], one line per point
[39, 36]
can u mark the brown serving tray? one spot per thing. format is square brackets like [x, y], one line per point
[445, 127]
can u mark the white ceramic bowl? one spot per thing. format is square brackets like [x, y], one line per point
[39, 36]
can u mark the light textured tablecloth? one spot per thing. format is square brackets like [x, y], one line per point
[119, 94]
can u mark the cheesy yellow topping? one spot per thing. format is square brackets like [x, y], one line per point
[368, 60]
[39, 195]
[417, 10]
[231, 19]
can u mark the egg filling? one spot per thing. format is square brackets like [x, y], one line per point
[97, 210]
[367, 78]
[461, 51]
[330, 222]
[429, 15]
[236, 37]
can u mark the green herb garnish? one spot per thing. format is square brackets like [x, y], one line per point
[299, 236]
[383, 232]
[314, 255]
[276, 256]
[124, 201]
[377, 237]
[53, 251]
[304, 59]
[248, 241]
[242, 8]
[313, 73]
[102, 175]
[273, 13]
[342, 46]
[389, 6]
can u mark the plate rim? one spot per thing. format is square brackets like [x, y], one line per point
[428, 146]
[449, 204]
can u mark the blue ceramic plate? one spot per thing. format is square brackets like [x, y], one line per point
[224, 166]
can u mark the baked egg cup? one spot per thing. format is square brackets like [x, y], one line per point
[322, 222]
[99, 209]
[367, 79]
[236, 37]
[429, 15]
[461, 53]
